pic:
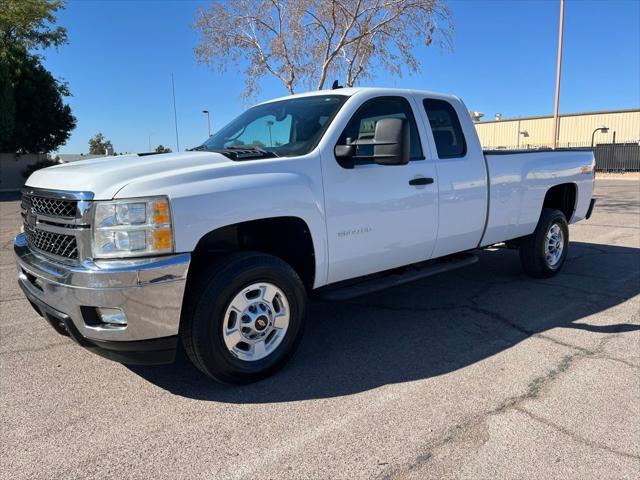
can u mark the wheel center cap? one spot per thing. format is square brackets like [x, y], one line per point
[261, 323]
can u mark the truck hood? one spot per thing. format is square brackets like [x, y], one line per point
[107, 175]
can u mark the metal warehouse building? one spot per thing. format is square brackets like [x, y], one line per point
[575, 130]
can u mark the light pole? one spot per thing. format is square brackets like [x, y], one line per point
[558, 72]
[602, 129]
[150, 135]
[524, 133]
[270, 124]
[208, 121]
[175, 112]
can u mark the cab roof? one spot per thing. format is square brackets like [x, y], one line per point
[371, 90]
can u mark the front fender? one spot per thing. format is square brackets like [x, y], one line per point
[201, 207]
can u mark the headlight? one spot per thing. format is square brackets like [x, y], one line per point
[132, 228]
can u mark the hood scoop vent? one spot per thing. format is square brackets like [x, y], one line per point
[246, 154]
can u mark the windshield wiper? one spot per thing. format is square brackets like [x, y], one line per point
[199, 148]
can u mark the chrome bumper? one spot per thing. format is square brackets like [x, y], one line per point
[149, 291]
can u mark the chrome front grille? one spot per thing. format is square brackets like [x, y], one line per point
[57, 223]
[53, 207]
[55, 243]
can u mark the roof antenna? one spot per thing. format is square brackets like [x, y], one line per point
[335, 85]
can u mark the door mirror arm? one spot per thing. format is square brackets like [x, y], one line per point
[345, 153]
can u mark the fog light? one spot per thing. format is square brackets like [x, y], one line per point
[112, 316]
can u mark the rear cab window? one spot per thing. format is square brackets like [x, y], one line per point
[446, 128]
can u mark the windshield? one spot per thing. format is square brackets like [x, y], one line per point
[284, 128]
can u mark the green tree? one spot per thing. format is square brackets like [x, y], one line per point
[7, 102]
[30, 24]
[34, 117]
[163, 149]
[98, 145]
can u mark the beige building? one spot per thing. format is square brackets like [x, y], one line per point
[575, 130]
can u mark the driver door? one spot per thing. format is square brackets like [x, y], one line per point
[379, 216]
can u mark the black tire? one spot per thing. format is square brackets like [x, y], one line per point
[201, 328]
[532, 247]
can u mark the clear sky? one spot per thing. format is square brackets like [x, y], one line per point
[121, 55]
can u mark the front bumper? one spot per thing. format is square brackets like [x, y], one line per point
[149, 291]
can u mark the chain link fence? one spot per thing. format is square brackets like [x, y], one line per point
[617, 157]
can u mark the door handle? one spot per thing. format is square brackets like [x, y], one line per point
[420, 181]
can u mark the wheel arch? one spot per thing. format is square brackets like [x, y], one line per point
[562, 197]
[286, 237]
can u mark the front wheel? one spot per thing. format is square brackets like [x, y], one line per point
[543, 253]
[245, 318]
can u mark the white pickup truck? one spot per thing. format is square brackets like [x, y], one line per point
[334, 193]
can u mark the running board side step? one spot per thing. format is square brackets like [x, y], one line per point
[374, 283]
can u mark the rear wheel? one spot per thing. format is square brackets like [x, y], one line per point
[543, 253]
[245, 318]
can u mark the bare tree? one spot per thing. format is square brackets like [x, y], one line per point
[306, 42]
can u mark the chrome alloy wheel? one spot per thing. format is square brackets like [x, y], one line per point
[256, 321]
[553, 245]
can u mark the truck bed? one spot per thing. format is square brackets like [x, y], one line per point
[519, 181]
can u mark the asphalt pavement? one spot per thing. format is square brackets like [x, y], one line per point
[480, 373]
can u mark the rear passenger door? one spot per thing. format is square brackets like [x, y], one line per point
[460, 167]
[377, 219]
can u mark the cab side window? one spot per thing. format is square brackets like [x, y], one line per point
[446, 129]
[363, 124]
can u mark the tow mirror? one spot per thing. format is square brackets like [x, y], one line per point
[391, 145]
[391, 142]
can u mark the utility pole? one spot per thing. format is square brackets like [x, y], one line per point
[175, 115]
[558, 74]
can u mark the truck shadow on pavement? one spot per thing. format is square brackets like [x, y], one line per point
[433, 327]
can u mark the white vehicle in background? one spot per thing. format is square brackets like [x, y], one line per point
[332, 193]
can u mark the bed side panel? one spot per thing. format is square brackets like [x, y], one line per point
[519, 183]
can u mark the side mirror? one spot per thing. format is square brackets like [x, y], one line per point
[390, 145]
[391, 142]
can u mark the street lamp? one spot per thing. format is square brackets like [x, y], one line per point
[150, 135]
[524, 133]
[208, 121]
[602, 129]
[270, 124]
